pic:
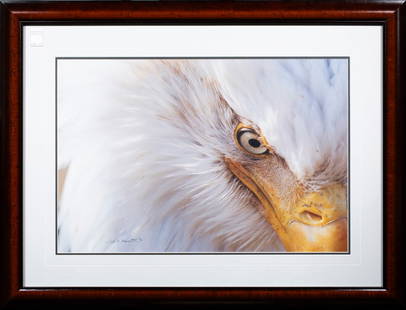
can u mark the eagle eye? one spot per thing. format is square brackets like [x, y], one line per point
[250, 141]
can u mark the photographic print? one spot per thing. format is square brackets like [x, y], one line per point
[214, 155]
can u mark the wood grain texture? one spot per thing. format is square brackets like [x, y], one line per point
[390, 14]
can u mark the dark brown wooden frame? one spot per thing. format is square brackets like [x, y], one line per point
[390, 14]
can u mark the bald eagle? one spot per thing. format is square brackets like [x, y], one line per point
[202, 155]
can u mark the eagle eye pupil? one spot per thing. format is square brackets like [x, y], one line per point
[254, 142]
[250, 141]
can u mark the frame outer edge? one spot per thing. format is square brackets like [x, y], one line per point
[401, 154]
[4, 198]
[11, 157]
[9, 116]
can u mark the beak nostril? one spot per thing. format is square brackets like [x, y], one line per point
[308, 216]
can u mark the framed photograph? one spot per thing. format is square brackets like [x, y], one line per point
[202, 151]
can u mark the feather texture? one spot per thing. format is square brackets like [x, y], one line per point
[144, 142]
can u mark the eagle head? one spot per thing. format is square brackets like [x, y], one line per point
[228, 154]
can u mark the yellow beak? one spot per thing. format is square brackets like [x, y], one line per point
[315, 222]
